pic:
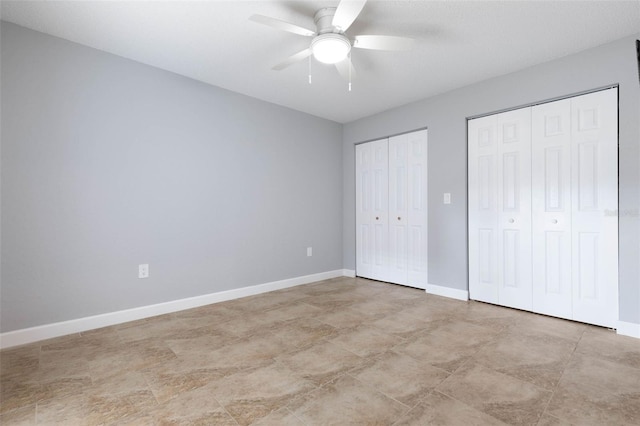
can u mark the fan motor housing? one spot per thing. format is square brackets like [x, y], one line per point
[324, 20]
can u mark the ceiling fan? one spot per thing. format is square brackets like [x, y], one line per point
[329, 43]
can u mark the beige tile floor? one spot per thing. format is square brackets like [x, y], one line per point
[338, 352]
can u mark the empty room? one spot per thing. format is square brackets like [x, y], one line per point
[320, 212]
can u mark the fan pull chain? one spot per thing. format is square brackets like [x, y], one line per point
[350, 70]
[309, 69]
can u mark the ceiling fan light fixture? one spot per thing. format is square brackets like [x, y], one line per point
[330, 48]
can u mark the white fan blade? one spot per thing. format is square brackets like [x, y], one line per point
[293, 59]
[346, 13]
[281, 25]
[343, 69]
[380, 42]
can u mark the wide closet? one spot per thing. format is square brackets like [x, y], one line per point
[391, 209]
[543, 200]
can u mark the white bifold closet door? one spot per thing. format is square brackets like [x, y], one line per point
[372, 209]
[575, 176]
[392, 233]
[543, 192]
[500, 209]
[551, 166]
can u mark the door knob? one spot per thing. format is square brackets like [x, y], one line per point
[377, 218]
[554, 221]
[398, 217]
[511, 220]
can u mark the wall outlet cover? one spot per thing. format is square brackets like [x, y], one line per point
[143, 270]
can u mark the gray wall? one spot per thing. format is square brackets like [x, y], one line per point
[445, 116]
[108, 163]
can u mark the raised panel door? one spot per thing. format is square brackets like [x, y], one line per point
[372, 257]
[483, 208]
[514, 208]
[398, 203]
[416, 215]
[594, 146]
[551, 208]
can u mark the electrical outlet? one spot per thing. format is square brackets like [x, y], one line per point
[143, 270]
[309, 251]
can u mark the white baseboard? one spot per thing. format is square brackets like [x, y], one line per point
[452, 293]
[628, 329]
[49, 331]
[349, 273]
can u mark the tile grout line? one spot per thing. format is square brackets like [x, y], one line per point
[286, 407]
[471, 359]
[370, 387]
[557, 385]
[225, 410]
[466, 404]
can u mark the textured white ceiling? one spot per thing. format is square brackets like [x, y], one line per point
[459, 43]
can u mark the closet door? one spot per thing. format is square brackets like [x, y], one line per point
[408, 209]
[551, 203]
[500, 209]
[514, 208]
[575, 182]
[398, 224]
[391, 209]
[416, 215]
[556, 254]
[372, 203]
[594, 152]
[483, 209]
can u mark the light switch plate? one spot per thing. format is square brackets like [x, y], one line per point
[447, 198]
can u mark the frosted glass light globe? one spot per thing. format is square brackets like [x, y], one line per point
[330, 48]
